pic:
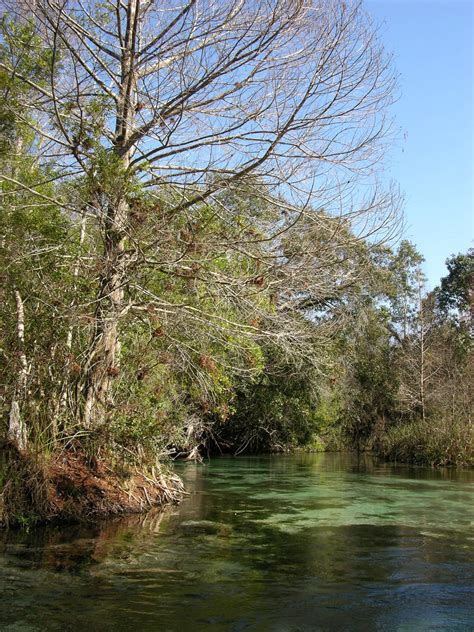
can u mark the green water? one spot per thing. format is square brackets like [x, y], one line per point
[305, 542]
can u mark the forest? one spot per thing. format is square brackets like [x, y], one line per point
[201, 252]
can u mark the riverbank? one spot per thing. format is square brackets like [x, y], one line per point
[70, 487]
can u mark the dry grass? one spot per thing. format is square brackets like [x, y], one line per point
[69, 487]
[433, 442]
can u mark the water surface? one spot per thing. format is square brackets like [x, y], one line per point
[277, 543]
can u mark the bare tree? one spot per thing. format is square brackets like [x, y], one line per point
[187, 103]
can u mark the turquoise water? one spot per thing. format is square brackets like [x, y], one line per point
[302, 542]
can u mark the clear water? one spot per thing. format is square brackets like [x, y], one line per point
[305, 542]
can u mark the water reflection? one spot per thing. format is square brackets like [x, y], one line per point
[305, 542]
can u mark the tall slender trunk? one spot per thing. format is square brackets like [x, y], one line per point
[16, 432]
[422, 347]
[16, 427]
[104, 357]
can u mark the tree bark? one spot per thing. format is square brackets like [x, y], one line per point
[16, 433]
[104, 358]
[422, 346]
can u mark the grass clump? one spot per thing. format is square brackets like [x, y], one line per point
[434, 442]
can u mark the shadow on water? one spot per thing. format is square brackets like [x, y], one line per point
[301, 542]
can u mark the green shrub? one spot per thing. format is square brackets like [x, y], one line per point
[434, 442]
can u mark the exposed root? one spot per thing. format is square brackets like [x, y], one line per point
[67, 487]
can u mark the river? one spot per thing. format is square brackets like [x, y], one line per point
[272, 543]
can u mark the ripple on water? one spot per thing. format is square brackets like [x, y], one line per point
[302, 542]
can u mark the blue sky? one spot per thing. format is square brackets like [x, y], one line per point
[433, 162]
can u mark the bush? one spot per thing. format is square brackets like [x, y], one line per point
[434, 442]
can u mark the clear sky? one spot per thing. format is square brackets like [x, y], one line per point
[432, 45]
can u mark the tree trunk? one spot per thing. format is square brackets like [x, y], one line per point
[422, 346]
[104, 356]
[103, 360]
[16, 428]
